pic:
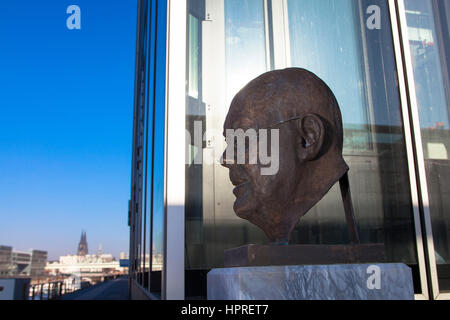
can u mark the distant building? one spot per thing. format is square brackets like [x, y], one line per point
[38, 263]
[83, 245]
[84, 266]
[123, 255]
[5, 260]
[17, 263]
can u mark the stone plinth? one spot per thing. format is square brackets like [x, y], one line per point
[314, 282]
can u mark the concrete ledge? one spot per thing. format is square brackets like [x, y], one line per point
[316, 282]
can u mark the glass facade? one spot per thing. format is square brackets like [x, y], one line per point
[428, 30]
[331, 39]
[146, 207]
[229, 43]
[335, 48]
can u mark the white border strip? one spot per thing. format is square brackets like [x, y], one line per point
[409, 151]
[419, 147]
[173, 286]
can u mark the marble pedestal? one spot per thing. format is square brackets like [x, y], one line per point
[313, 282]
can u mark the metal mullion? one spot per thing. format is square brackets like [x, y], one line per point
[160, 98]
[409, 149]
[137, 163]
[145, 193]
[153, 15]
[138, 156]
[370, 116]
[166, 122]
[132, 265]
[140, 167]
[287, 35]
[131, 204]
[142, 140]
[280, 29]
[418, 146]
[268, 35]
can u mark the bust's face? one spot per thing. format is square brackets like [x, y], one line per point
[255, 191]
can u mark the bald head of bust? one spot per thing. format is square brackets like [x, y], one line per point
[306, 114]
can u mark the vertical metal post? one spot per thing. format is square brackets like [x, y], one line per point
[174, 235]
[418, 146]
[146, 112]
[409, 141]
[348, 208]
[132, 206]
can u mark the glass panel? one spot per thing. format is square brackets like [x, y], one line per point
[159, 133]
[330, 46]
[158, 70]
[193, 56]
[428, 28]
[328, 37]
[245, 43]
[234, 44]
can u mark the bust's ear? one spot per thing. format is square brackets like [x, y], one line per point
[311, 137]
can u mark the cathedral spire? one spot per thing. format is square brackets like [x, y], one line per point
[83, 245]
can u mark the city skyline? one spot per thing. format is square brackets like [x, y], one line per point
[95, 249]
[66, 124]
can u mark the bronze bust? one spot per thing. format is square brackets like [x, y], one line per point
[307, 114]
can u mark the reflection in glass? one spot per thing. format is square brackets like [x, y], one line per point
[428, 29]
[329, 38]
[245, 43]
[329, 45]
[193, 56]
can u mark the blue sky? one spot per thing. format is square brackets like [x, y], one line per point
[66, 101]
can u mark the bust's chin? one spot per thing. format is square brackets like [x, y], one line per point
[245, 204]
[244, 208]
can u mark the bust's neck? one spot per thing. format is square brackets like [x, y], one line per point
[320, 178]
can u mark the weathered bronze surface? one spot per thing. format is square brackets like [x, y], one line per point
[308, 117]
[269, 255]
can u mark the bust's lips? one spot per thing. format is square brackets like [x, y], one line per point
[239, 179]
[239, 190]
